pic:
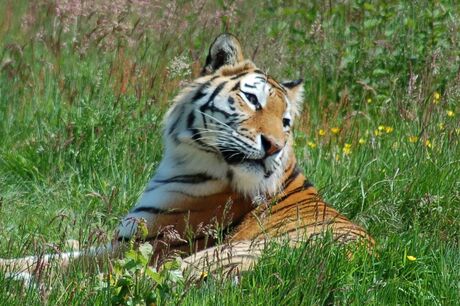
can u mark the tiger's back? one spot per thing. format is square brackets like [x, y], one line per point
[298, 211]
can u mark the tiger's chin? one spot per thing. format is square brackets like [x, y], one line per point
[256, 178]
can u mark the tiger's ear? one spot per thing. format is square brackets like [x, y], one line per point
[295, 94]
[225, 50]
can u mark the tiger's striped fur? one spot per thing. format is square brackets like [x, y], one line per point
[229, 159]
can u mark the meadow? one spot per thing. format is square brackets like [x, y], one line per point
[83, 89]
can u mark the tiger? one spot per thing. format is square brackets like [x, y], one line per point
[228, 159]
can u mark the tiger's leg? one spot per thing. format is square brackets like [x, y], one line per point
[298, 216]
[226, 260]
[32, 268]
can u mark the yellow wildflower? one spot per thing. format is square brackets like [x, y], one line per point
[204, 274]
[381, 127]
[450, 113]
[411, 258]
[347, 149]
[389, 129]
[441, 126]
[377, 133]
[428, 144]
[321, 132]
[362, 141]
[369, 100]
[311, 144]
[335, 130]
[436, 97]
[412, 139]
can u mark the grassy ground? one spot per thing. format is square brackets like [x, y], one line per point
[83, 89]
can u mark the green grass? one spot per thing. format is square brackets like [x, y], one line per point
[80, 135]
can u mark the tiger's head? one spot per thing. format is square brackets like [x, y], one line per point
[234, 122]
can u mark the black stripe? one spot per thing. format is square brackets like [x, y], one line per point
[301, 205]
[217, 90]
[214, 109]
[236, 87]
[304, 186]
[294, 174]
[174, 125]
[209, 104]
[187, 179]
[240, 141]
[277, 85]
[250, 86]
[183, 179]
[239, 75]
[244, 120]
[190, 120]
[157, 211]
[233, 120]
[196, 136]
[203, 117]
[150, 189]
[291, 166]
[200, 93]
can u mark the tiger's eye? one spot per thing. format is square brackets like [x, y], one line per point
[253, 100]
[286, 122]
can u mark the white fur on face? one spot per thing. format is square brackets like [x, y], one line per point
[257, 85]
[212, 121]
[254, 180]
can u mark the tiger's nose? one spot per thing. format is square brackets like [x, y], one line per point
[270, 146]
